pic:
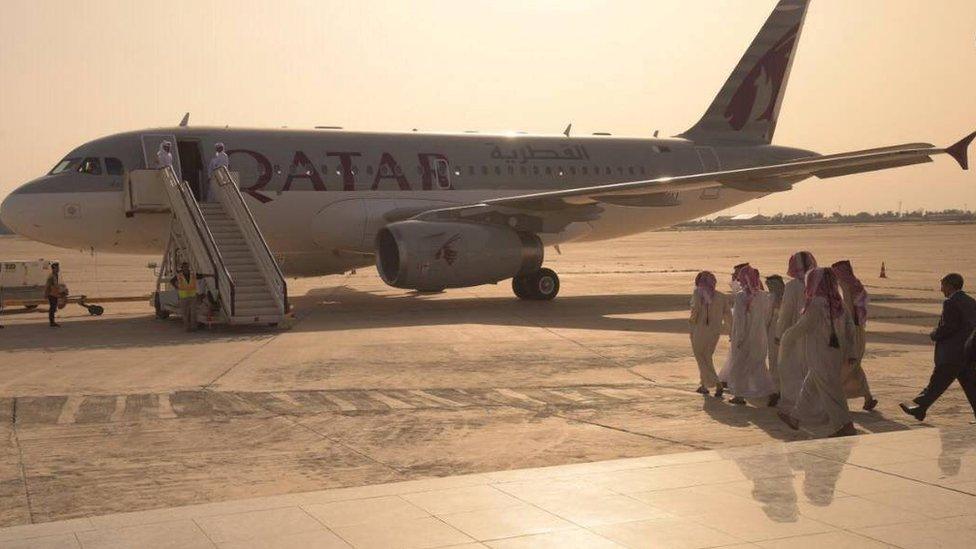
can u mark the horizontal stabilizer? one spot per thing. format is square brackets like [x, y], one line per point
[960, 151]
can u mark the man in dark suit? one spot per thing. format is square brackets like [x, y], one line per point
[952, 360]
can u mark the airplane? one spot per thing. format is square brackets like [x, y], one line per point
[435, 211]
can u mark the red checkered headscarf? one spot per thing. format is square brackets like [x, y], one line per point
[845, 274]
[823, 283]
[748, 278]
[800, 264]
[706, 282]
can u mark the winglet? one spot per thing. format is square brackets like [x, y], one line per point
[186, 120]
[568, 129]
[960, 151]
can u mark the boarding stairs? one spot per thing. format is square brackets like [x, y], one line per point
[221, 238]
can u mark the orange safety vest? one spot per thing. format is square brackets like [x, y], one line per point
[186, 287]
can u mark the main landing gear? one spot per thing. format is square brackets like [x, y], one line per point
[542, 285]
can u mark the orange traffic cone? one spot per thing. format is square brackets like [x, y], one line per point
[884, 272]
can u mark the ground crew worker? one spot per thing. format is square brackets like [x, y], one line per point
[164, 156]
[185, 283]
[52, 291]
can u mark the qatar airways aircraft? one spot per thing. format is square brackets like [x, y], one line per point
[437, 211]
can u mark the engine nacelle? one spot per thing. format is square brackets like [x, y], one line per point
[430, 256]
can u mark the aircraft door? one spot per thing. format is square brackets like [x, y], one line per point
[442, 171]
[150, 145]
[710, 163]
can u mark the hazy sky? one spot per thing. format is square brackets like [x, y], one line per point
[868, 73]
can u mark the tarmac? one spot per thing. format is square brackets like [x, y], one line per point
[904, 489]
[370, 385]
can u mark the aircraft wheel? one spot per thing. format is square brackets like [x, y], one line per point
[520, 285]
[30, 307]
[544, 284]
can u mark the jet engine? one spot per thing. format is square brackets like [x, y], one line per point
[431, 256]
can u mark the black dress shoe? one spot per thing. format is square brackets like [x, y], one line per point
[719, 392]
[701, 390]
[870, 404]
[916, 411]
[773, 400]
[738, 400]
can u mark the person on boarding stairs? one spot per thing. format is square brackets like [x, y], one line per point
[185, 283]
[790, 368]
[710, 312]
[856, 306]
[746, 369]
[823, 339]
[954, 349]
[219, 160]
[164, 156]
[776, 287]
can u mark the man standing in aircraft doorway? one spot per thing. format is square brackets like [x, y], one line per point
[164, 156]
[220, 160]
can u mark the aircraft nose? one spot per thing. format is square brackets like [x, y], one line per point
[14, 210]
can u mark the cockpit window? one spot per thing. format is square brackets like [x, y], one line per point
[113, 166]
[91, 166]
[65, 165]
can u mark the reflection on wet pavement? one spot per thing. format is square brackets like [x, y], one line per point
[911, 488]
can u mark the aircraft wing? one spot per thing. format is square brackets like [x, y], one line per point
[761, 179]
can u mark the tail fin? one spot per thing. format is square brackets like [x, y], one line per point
[746, 109]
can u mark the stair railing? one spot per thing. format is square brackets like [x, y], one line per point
[232, 199]
[200, 240]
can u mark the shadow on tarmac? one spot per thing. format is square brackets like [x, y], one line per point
[334, 309]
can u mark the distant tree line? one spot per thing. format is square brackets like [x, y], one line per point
[818, 218]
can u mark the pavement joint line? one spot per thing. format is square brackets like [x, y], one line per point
[297, 423]
[896, 475]
[22, 466]
[645, 435]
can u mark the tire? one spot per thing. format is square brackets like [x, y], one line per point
[95, 310]
[520, 287]
[161, 313]
[544, 285]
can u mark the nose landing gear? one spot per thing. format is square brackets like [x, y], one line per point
[542, 285]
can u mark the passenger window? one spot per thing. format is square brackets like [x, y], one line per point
[484, 170]
[572, 170]
[631, 170]
[524, 171]
[91, 166]
[548, 170]
[535, 170]
[113, 166]
[511, 170]
[642, 170]
[586, 171]
[470, 170]
[498, 170]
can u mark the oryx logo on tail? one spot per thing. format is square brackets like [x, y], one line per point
[766, 76]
